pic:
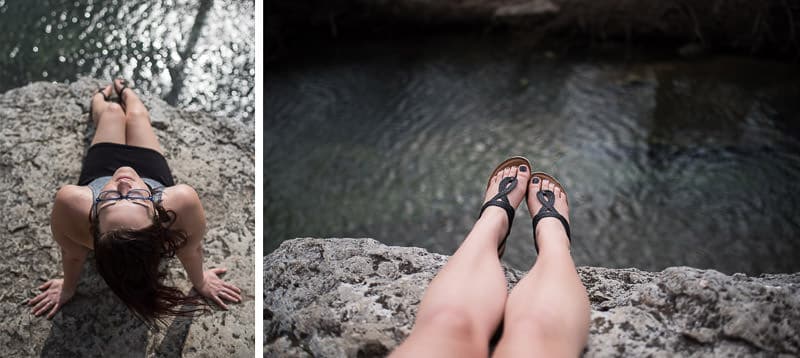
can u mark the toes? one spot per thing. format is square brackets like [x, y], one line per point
[513, 170]
[120, 87]
[106, 91]
[492, 183]
[523, 173]
[540, 182]
[99, 99]
[508, 173]
[536, 184]
[133, 106]
[498, 177]
[119, 84]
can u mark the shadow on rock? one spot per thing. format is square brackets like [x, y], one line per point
[175, 337]
[95, 323]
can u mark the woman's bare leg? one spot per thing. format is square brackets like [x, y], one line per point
[138, 131]
[464, 303]
[547, 313]
[109, 119]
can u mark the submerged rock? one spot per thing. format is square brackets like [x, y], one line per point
[358, 297]
[45, 132]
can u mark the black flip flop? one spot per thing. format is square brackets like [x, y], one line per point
[121, 90]
[548, 200]
[91, 101]
[100, 91]
[505, 187]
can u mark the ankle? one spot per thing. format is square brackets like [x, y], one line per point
[552, 245]
[550, 235]
[494, 220]
[495, 215]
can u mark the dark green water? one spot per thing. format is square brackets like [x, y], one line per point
[199, 55]
[668, 161]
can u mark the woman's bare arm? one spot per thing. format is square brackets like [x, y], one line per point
[191, 218]
[63, 222]
[184, 200]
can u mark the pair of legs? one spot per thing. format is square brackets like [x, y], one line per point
[546, 314]
[127, 122]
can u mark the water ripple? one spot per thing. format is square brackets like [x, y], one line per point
[666, 163]
[197, 55]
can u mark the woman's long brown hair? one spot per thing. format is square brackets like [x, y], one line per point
[130, 263]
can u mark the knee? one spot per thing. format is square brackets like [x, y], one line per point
[453, 321]
[138, 114]
[113, 113]
[539, 326]
[539, 323]
[544, 325]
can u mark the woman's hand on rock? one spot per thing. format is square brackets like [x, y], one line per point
[52, 298]
[218, 290]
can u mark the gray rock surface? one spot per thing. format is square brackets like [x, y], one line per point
[45, 132]
[358, 297]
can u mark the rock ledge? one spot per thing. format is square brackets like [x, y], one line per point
[358, 297]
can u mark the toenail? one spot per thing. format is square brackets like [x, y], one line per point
[523, 168]
[535, 180]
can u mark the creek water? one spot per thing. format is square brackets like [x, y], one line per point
[667, 161]
[198, 55]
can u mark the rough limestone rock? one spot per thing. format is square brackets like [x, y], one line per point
[358, 297]
[45, 132]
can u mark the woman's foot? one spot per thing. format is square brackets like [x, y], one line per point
[100, 103]
[496, 214]
[550, 232]
[134, 108]
[120, 88]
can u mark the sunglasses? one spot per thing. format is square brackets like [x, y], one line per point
[135, 195]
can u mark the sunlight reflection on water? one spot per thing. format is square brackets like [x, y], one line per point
[196, 55]
[667, 162]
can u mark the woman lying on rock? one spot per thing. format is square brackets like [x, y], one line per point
[127, 208]
[547, 312]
